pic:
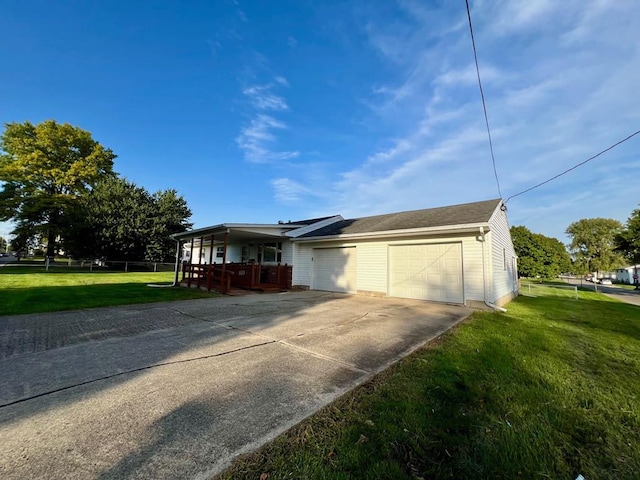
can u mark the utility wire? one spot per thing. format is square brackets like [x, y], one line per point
[575, 166]
[484, 107]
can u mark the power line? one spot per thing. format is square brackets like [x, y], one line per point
[484, 107]
[575, 166]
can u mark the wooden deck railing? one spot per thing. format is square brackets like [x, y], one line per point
[251, 276]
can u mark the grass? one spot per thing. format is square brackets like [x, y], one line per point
[29, 289]
[551, 389]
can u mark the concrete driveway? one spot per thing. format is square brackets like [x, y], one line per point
[176, 390]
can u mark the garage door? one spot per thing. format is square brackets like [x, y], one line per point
[426, 272]
[334, 269]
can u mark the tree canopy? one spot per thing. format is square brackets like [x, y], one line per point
[628, 241]
[45, 169]
[538, 255]
[121, 221]
[593, 243]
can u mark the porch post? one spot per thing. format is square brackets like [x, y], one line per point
[210, 274]
[260, 255]
[224, 262]
[200, 259]
[190, 263]
[253, 274]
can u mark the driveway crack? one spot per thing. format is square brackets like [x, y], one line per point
[350, 366]
[133, 370]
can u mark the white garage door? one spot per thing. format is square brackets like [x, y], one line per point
[427, 272]
[334, 269]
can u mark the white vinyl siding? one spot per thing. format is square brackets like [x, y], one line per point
[302, 265]
[287, 252]
[502, 281]
[234, 253]
[472, 269]
[334, 269]
[426, 272]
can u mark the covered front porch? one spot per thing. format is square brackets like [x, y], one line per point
[229, 257]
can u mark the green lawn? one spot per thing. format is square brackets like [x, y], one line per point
[549, 390]
[25, 289]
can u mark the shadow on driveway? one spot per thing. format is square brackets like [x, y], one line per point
[212, 379]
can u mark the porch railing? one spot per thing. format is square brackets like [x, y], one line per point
[253, 276]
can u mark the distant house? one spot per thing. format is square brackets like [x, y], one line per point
[459, 254]
[625, 275]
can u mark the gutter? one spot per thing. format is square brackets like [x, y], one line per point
[484, 277]
[442, 230]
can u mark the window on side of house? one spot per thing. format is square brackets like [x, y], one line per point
[272, 252]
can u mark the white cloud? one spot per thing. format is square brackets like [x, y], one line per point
[281, 81]
[254, 140]
[287, 190]
[257, 138]
[262, 98]
[468, 75]
[517, 15]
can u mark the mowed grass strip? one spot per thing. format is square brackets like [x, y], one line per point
[32, 290]
[550, 389]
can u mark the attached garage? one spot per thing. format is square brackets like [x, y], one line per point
[334, 269]
[459, 254]
[427, 272]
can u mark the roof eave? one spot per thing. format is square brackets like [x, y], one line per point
[407, 232]
[224, 228]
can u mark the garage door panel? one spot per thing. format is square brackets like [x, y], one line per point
[334, 269]
[427, 272]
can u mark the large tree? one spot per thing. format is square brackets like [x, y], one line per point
[45, 169]
[593, 243]
[171, 215]
[119, 220]
[539, 255]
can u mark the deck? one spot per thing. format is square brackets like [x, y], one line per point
[226, 277]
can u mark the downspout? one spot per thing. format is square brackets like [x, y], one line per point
[176, 272]
[484, 277]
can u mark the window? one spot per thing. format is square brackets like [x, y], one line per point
[220, 252]
[244, 254]
[504, 259]
[271, 252]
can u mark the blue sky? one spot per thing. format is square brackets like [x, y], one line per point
[263, 111]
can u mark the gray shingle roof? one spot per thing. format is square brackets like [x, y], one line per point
[308, 221]
[477, 212]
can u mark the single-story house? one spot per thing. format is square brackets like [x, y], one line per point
[459, 254]
[625, 275]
